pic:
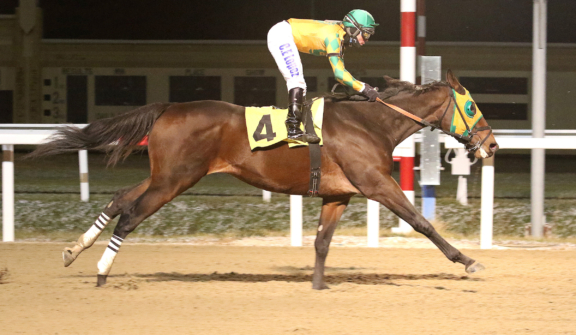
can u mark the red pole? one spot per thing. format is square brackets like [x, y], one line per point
[407, 173]
[407, 40]
[407, 73]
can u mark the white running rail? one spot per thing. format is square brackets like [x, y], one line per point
[524, 141]
[34, 134]
[28, 134]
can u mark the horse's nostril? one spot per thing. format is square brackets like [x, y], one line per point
[493, 147]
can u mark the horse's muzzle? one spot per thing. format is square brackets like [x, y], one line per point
[481, 152]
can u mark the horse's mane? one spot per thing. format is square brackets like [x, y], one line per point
[393, 87]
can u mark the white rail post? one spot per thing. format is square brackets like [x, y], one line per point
[8, 193]
[84, 186]
[430, 162]
[487, 203]
[373, 223]
[296, 220]
[538, 115]
[266, 196]
[462, 191]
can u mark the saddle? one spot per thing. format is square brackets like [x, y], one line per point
[266, 127]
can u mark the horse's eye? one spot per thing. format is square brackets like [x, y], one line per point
[473, 107]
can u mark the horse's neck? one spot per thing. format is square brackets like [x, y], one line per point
[423, 106]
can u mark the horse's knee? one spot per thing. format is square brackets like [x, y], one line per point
[424, 227]
[321, 246]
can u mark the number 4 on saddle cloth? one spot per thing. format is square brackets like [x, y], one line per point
[266, 125]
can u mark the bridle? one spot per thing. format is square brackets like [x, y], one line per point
[466, 140]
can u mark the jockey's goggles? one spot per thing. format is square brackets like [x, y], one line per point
[365, 31]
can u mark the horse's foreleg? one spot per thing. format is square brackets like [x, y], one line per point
[331, 212]
[114, 207]
[387, 192]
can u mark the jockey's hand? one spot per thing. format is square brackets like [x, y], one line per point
[370, 92]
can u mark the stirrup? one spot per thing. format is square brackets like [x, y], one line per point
[303, 137]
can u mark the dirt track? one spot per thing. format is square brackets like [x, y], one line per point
[183, 289]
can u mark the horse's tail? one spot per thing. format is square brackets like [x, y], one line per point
[118, 136]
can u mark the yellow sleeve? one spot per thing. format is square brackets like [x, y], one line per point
[343, 76]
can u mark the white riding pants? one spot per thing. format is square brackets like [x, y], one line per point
[283, 49]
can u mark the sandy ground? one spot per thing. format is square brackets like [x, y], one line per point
[357, 241]
[227, 289]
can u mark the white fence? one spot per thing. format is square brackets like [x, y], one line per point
[553, 140]
[11, 135]
[28, 134]
[34, 134]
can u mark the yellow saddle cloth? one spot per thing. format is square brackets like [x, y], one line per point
[266, 125]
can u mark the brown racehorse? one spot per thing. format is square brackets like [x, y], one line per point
[190, 140]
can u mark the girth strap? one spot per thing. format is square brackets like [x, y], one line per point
[315, 155]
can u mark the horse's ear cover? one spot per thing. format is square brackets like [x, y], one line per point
[451, 78]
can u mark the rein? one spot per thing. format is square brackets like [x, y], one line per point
[466, 140]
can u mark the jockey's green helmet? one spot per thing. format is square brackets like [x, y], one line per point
[359, 21]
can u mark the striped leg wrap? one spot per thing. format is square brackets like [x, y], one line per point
[102, 221]
[105, 263]
[115, 243]
[92, 234]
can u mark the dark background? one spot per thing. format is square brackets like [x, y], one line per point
[447, 20]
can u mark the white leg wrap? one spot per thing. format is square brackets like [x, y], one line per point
[105, 263]
[92, 234]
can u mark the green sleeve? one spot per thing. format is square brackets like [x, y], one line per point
[343, 76]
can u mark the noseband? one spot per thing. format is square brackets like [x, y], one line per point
[466, 140]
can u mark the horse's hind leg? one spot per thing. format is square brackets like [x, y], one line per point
[331, 212]
[114, 207]
[160, 192]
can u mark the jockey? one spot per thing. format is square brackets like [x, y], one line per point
[318, 38]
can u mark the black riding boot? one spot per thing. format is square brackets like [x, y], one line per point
[294, 118]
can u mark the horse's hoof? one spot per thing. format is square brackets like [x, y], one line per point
[475, 267]
[320, 287]
[68, 256]
[101, 280]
